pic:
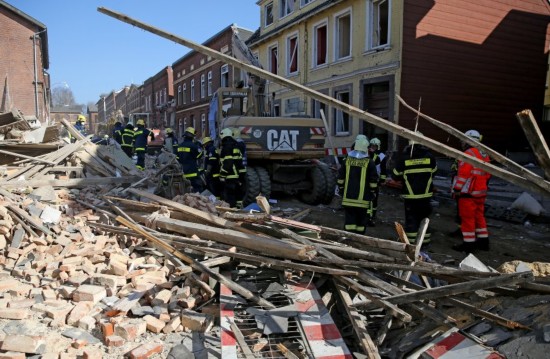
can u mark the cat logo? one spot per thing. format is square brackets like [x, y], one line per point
[286, 140]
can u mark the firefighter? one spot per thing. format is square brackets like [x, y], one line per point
[357, 182]
[470, 186]
[117, 132]
[211, 167]
[242, 171]
[416, 169]
[379, 159]
[231, 163]
[80, 126]
[189, 153]
[127, 140]
[170, 143]
[141, 135]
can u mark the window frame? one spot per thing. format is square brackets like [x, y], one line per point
[184, 93]
[269, 5]
[203, 86]
[224, 70]
[314, 45]
[209, 84]
[337, 92]
[192, 90]
[203, 124]
[180, 95]
[305, 2]
[370, 32]
[273, 69]
[291, 58]
[283, 8]
[336, 18]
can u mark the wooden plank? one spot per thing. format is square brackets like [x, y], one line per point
[251, 242]
[365, 341]
[34, 159]
[24, 215]
[70, 183]
[535, 139]
[240, 339]
[337, 104]
[197, 265]
[458, 288]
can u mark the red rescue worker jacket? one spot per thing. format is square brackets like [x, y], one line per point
[471, 180]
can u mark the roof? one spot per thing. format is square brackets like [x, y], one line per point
[42, 30]
[244, 34]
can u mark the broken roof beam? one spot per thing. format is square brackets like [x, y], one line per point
[70, 183]
[349, 109]
[535, 139]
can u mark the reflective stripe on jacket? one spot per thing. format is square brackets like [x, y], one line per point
[359, 180]
[471, 180]
[188, 155]
[417, 173]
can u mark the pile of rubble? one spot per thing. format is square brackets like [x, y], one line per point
[102, 267]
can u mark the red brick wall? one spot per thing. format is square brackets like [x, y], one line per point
[17, 61]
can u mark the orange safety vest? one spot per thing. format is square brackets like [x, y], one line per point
[472, 180]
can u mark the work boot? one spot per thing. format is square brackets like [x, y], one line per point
[468, 247]
[483, 244]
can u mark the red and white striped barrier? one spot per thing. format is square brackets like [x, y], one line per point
[455, 345]
[340, 151]
[321, 333]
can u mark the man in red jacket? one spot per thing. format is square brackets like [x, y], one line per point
[470, 186]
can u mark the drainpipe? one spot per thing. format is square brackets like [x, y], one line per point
[35, 72]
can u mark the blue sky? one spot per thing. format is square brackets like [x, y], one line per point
[93, 53]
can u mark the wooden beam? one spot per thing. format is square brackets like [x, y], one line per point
[458, 288]
[70, 183]
[494, 155]
[15, 154]
[251, 242]
[354, 112]
[237, 288]
[535, 139]
[365, 341]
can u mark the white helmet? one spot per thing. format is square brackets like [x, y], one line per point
[361, 144]
[411, 142]
[226, 132]
[375, 142]
[474, 135]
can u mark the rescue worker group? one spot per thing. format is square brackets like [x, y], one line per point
[222, 171]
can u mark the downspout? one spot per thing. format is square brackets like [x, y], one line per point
[35, 72]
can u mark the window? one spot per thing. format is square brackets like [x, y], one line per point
[156, 98]
[342, 46]
[203, 86]
[180, 95]
[268, 13]
[203, 124]
[305, 2]
[341, 118]
[165, 96]
[378, 27]
[317, 107]
[292, 54]
[184, 93]
[286, 6]
[273, 63]
[192, 90]
[320, 45]
[224, 76]
[209, 83]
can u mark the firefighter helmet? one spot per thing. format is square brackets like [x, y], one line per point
[236, 132]
[375, 142]
[474, 135]
[206, 140]
[169, 131]
[361, 137]
[362, 144]
[140, 122]
[226, 132]
[81, 118]
[190, 130]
